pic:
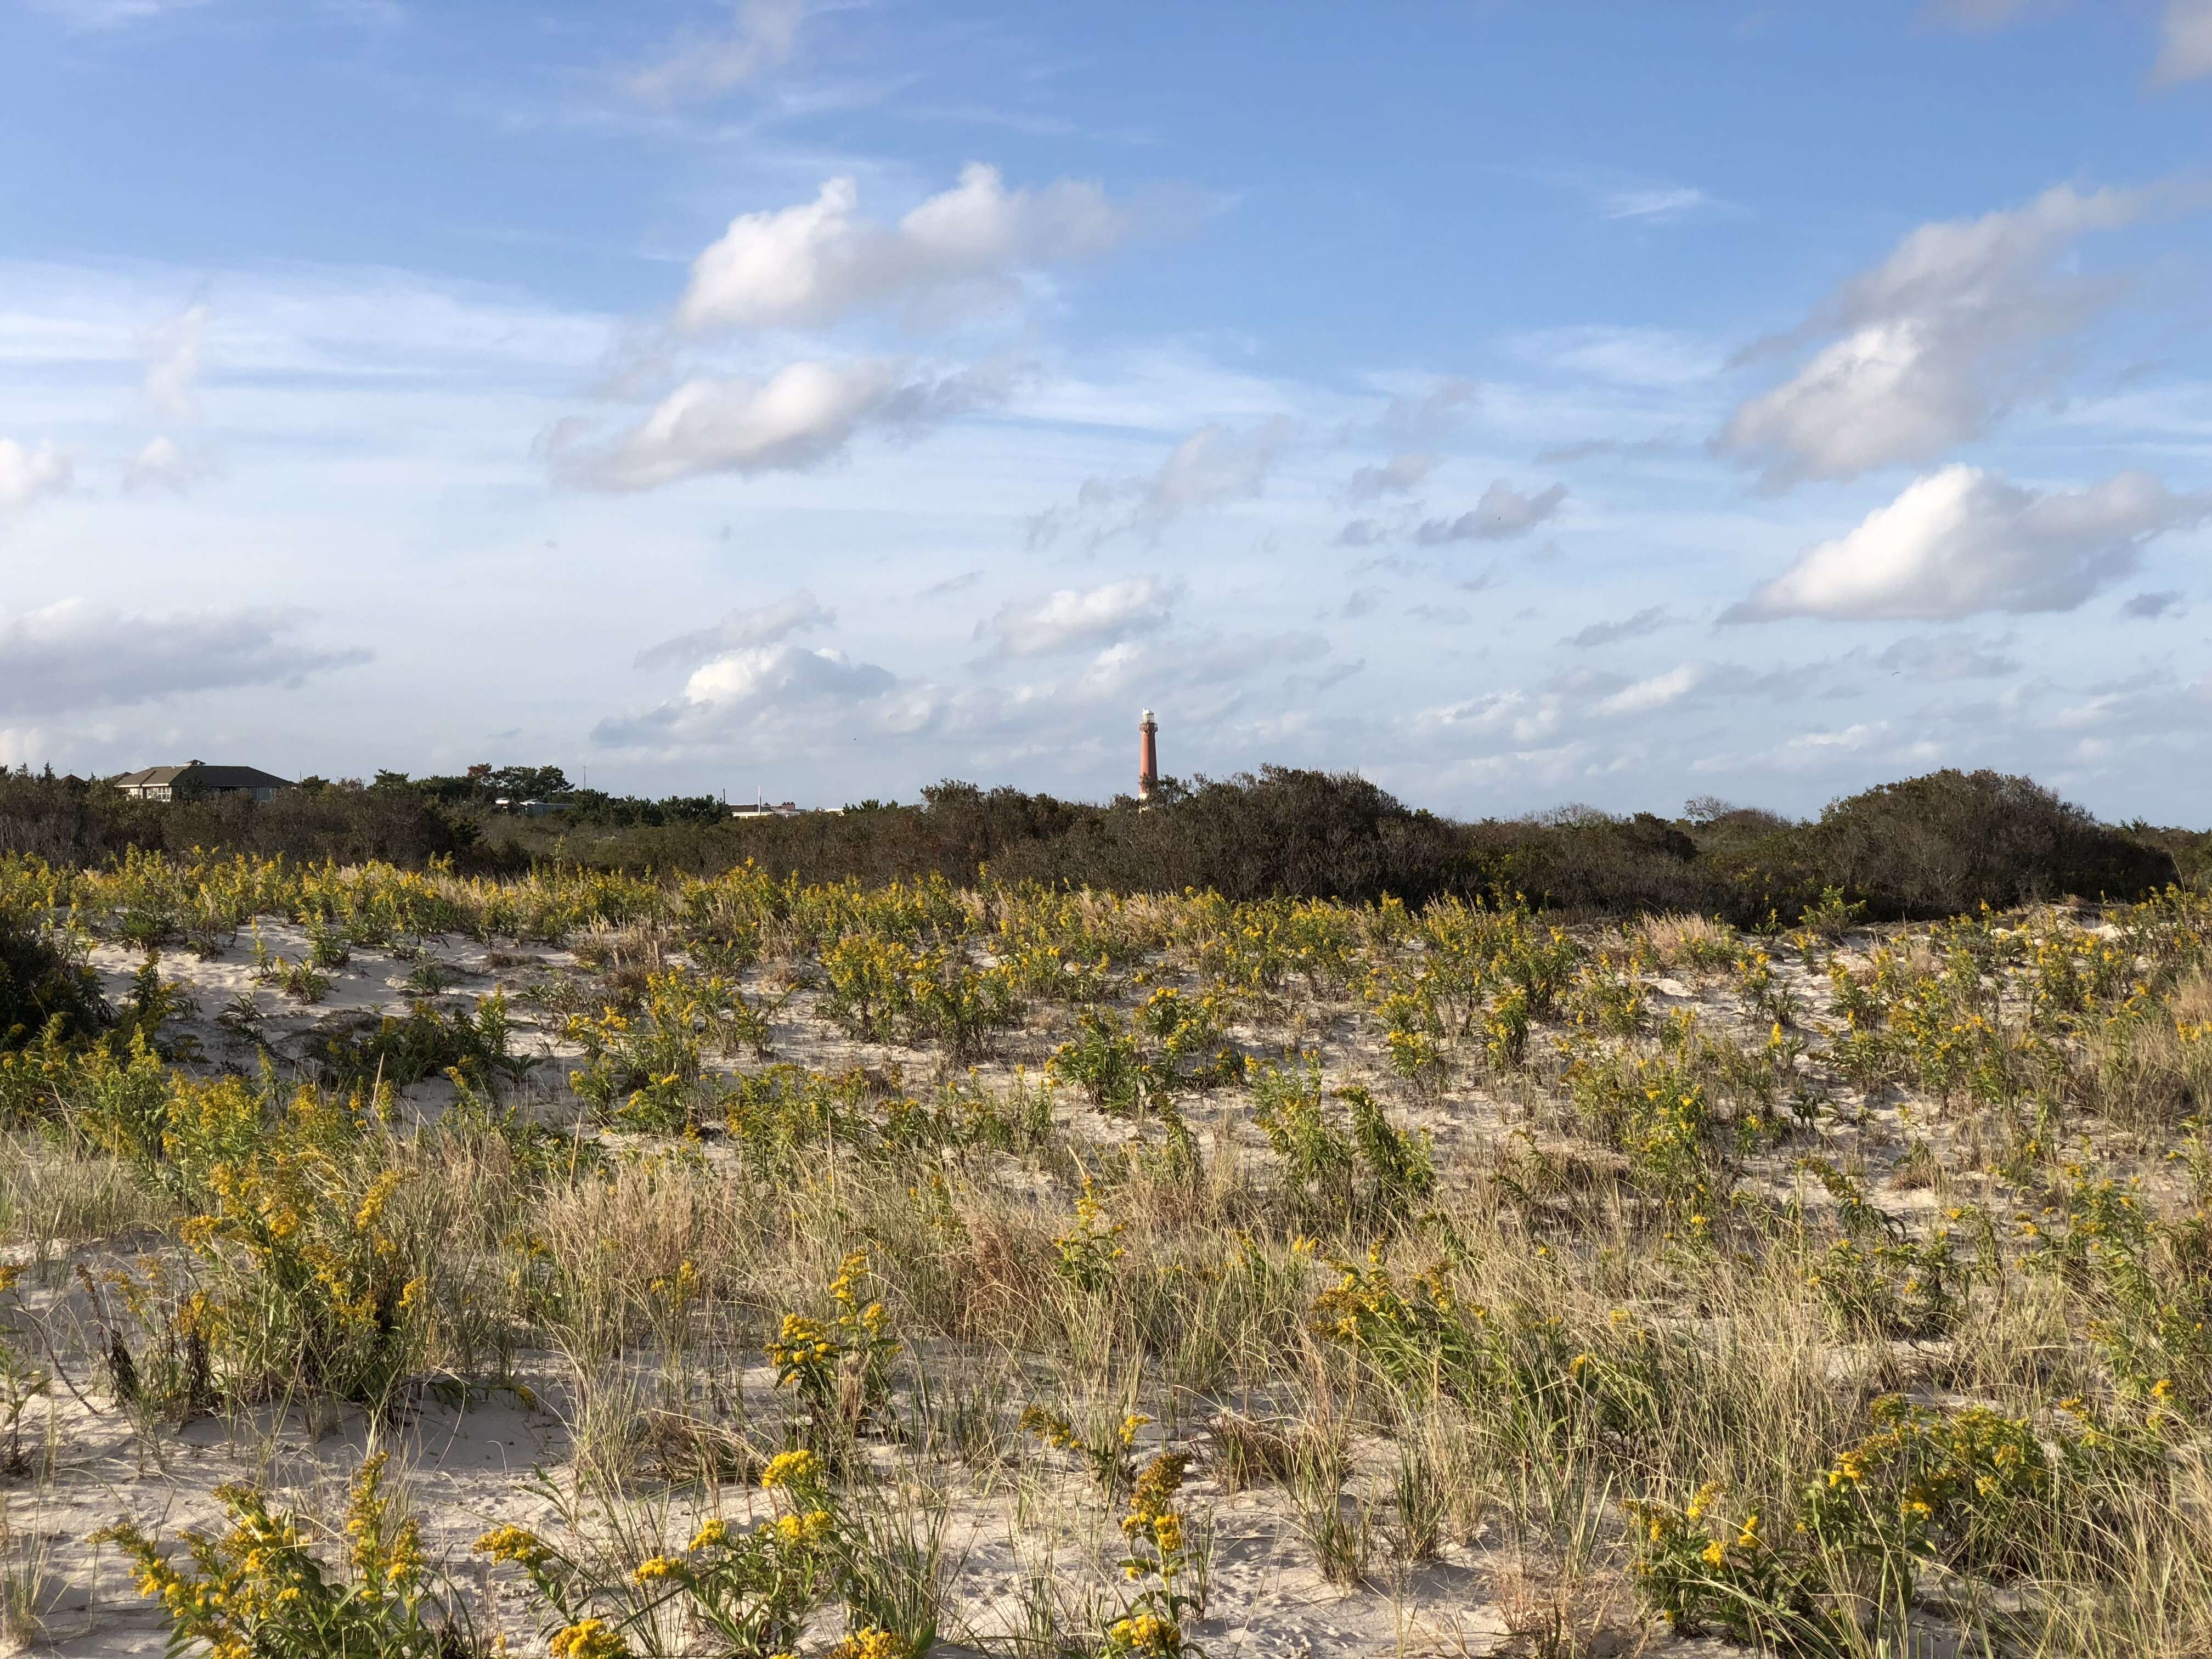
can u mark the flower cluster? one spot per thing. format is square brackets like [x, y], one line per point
[257, 1591]
[815, 1356]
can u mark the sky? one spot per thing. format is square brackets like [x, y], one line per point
[1516, 402]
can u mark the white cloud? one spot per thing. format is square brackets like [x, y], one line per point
[785, 697]
[111, 14]
[1396, 477]
[1217, 465]
[1656, 692]
[163, 464]
[741, 630]
[761, 37]
[1512, 714]
[1934, 343]
[172, 362]
[1072, 616]
[817, 262]
[1963, 541]
[800, 416]
[1213, 466]
[1657, 204]
[73, 656]
[27, 474]
[1501, 513]
[1851, 738]
[2185, 52]
[1217, 673]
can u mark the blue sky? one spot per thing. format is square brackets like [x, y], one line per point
[1516, 403]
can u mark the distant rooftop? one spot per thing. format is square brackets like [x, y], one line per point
[197, 777]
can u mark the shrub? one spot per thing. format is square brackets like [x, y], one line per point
[43, 984]
[1951, 842]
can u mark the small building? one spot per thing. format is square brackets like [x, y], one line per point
[760, 809]
[528, 809]
[197, 778]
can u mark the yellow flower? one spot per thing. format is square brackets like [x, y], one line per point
[713, 1533]
[517, 1544]
[1716, 1554]
[791, 1468]
[872, 1643]
[657, 1567]
[588, 1638]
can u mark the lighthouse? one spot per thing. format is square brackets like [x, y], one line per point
[1148, 756]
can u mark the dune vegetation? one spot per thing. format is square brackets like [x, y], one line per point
[595, 1259]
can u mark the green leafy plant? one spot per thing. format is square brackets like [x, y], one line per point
[257, 1589]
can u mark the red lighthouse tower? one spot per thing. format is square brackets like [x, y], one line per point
[1148, 756]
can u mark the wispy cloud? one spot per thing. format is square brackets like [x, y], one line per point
[112, 14]
[761, 37]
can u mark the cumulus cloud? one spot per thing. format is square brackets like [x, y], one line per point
[1934, 343]
[172, 362]
[760, 38]
[777, 698]
[803, 414]
[2185, 52]
[1501, 513]
[73, 656]
[1073, 617]
[817, 262]
[742, 629]
[1963, 541]
[1217, 465]
[1396, 477]
[27, 474]
[1650, 620]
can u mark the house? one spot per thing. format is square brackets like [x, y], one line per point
[762, 809]
[196, 778]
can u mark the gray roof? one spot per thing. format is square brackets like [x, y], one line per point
[196, 775]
